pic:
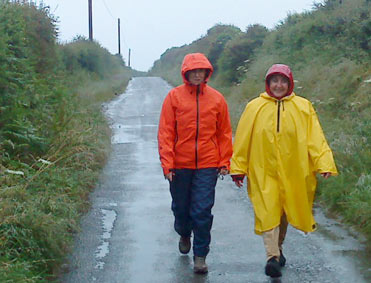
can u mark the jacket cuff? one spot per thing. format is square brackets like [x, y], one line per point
[226, 166]
[166, 171]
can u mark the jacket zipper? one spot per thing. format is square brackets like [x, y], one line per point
[198, 119]
[278, 116]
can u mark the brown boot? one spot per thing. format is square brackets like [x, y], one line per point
[200, 265]
[184, 244]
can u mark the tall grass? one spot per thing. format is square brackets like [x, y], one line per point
[53, 137]
[41, 208]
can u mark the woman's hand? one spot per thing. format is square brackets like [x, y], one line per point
[326, 175]
[169, 176]
[223, 171]
[238, 179]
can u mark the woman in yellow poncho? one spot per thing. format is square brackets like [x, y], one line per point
[279, 145]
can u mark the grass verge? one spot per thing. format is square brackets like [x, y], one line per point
[41, 204]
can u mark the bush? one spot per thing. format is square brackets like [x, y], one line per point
[82, 54]
[233, 63]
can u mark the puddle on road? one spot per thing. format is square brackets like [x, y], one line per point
[108, 219]
[123, 137]
[129, 124]
[130, 133]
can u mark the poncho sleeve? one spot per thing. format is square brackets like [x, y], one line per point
[318, 149]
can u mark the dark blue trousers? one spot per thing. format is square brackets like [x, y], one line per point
[193, 196]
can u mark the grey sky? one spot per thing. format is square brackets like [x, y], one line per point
[151, 27]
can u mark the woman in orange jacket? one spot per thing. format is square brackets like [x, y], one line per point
[195, 144]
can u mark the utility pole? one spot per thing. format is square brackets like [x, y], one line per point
[90, 20]
[129, 57]
[119, 37]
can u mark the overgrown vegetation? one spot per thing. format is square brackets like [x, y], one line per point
[53, 137]
[168, 66]
[328, 50]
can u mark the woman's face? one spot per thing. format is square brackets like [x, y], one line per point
[197, 76]
[279, 85]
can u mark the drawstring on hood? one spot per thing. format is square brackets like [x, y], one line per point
[283, 70]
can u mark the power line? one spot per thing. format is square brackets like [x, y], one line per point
[123, 38]
[108, 10]
[55, 9]
[113, 17]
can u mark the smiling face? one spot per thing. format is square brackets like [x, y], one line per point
[279, 85]
[197, 76]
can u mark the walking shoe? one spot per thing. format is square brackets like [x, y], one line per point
[273, 268]
[184, 244]
[282, 260]
[200, 265]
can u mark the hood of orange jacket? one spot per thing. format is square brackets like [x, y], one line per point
[195, 61]
[283, 70]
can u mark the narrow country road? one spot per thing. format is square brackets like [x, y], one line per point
[128, 234]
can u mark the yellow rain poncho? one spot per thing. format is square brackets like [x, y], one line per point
[279, 145]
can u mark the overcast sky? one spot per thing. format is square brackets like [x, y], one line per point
[149, 27]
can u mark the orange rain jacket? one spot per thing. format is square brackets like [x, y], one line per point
[195, 130]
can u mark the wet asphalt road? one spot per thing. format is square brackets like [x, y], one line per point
[128, 234]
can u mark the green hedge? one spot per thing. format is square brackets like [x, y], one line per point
[53, 137]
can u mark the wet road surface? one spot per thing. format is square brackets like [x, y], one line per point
[128, 234]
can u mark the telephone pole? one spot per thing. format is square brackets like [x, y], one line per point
[90, 20]
[129, 57]
[119, 36]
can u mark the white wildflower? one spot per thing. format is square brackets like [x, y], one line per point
[355, 103]
[14, 172]
[44, 161]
